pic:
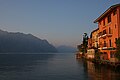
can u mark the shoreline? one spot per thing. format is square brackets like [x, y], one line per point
[114, 65]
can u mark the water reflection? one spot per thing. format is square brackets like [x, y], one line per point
[52, 67]
[98, 72]
[21, 66]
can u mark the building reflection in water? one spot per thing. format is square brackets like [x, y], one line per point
[99, 72]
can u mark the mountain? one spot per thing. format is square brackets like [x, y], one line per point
[20, 42]
[66, 49]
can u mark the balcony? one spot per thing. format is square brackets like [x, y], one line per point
[104, 34]
[105, 46]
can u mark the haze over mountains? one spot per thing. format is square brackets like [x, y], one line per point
[20, 42]
[66, 49]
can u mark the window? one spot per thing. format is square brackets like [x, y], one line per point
[109, 18]
[114, 12]
[115, 25]
[97, 45]
[100, 34]
[115, 39]
[104, 31]
[110, 43]
[105, 44]
[110, 32]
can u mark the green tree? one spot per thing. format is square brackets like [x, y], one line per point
[85, 42]
[97, 55]
[117, 54]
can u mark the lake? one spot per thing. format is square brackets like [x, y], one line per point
[59, 66]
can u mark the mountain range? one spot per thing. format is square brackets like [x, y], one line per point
[26, 43]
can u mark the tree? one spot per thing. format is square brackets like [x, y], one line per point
[98, 54]
[85, 42]
[80, 48]
[117, 54]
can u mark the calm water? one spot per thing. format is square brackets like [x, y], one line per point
[51, 67]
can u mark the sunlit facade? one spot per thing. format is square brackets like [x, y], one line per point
[92, 43]
[109, 31]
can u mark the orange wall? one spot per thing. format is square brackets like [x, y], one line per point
[114, 25]
[119, 20]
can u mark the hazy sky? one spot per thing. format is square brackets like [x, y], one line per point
[61, 22]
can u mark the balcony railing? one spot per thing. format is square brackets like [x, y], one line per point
[104, 34]
[105, 46]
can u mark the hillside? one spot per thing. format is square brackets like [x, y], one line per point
[20, 42]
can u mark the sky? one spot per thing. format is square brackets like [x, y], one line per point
[61, 22]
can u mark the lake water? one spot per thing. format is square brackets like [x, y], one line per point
[51, 67]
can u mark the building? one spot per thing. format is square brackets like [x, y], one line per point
[109, 31]
[89, 43]
[92, 44]
[94, 37]
[93, 40]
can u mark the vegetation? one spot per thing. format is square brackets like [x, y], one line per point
[117, 54]
[85, 42]
[97, 55]
[83, 46]
[80, 48]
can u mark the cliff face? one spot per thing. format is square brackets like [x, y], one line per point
[19, 42]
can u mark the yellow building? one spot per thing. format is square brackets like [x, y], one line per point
[92, 44]
[94, 36]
